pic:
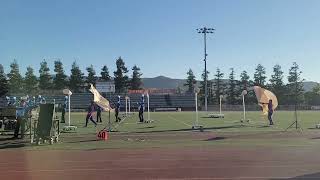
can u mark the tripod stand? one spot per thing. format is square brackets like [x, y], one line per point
[295, 121]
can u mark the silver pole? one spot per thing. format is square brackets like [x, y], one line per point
[69, 110]
[205, 71]
[126, 106]
[129, 106]
[196, 99]
[244, 108]
[220, 105]
[148, 107]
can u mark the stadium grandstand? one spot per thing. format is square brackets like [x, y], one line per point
[80, 101]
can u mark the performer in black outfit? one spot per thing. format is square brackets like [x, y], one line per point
[141, 109]
[270, 111]
[91, 110]
[21, 118]
[117, 109]
[99, 114]
[64, 108]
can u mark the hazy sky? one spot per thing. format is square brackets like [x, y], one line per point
[160, 35]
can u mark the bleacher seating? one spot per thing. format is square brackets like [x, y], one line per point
[3, 101]
[82, 100]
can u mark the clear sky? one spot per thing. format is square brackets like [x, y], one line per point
[160, 35]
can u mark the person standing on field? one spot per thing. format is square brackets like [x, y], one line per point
[270, 111]
[141, 109]
[91, 110]
[117, 109]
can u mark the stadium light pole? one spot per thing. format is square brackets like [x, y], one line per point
[204, 31]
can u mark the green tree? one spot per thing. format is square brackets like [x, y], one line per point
[260, 76]
[3, 82]
[244, 81]
[295, 86]
[30, 82]
[244, 84]
[105, 73]
[91, 79]
[218, 86]
[191, 81]
[202, 87]
[136, 82]
[120, 77]
[60, 79]
[276, 83]
[45, 79]
[313, 97]
[316, 89]
[76, 78]
[232, 91]
[15, 79]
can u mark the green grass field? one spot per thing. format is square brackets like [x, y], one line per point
[173, 129]
[180, 121]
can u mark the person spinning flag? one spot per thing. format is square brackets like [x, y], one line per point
[267, 100]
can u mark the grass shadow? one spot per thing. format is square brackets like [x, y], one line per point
[6, 139]
[215, 139]
[12, 146]
[149, 127]
[10, 143]
[306, 176]
[207, 117]
[263, 126]
[190, 129]
[82, 141]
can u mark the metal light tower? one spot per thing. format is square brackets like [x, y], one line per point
[204, 31]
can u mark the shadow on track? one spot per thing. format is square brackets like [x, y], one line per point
[190, 129]
[306, 176]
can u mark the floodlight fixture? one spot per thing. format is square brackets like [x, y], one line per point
[204, 31]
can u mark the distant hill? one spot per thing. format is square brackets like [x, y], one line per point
[162, 82]
[166, 82]
[309, 85]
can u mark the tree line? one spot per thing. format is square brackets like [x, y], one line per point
[231, 87]
[15, 83]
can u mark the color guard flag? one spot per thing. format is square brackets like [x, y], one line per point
[100, 100]
[263, 97]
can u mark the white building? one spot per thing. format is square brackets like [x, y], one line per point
[105, 86]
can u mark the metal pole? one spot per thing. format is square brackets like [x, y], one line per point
[148, 107]
[196, 99]
[129, 106]
[295, 104]
[205, 70]
[220, 105]
[244, 108]
[109, 124]
[69, 111]
[204, 31]
[126, 106]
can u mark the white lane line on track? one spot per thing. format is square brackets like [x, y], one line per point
[233, 178]
[174, 160]
[179, 121]
[140, 168]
